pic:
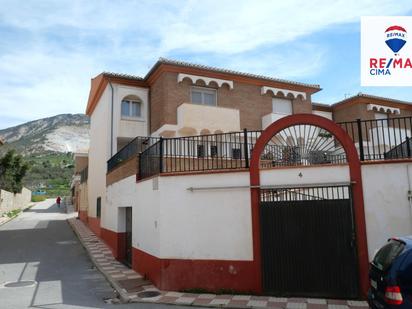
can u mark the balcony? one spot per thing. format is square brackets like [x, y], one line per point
[195, 119]
[268, 119]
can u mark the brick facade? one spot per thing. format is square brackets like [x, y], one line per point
[124, 170]
[167, 94]
[356, 108]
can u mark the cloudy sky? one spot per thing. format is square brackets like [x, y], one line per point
[49, 50]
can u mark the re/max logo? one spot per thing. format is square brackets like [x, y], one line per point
[383, 66]
[383, 63]
[396, 35]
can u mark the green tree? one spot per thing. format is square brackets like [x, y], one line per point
[12, 171]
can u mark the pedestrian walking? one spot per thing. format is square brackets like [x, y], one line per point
[58, 201]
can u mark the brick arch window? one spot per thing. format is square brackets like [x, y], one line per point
[131, 107]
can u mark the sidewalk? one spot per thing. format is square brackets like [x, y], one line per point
[132, 287]
[5, 219]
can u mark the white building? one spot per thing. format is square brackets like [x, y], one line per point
[184, 195]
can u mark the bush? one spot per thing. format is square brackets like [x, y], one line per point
[38, 198]
[13, 213]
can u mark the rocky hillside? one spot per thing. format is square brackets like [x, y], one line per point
[62, 133]
[48, 145]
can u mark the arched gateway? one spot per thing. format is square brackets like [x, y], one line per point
[308, 239]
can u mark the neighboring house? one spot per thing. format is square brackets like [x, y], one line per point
[191, 167]
[379, 115]
[79, 182]
[368, 107]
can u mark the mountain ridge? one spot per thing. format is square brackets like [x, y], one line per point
[61, 134]
[48, 145]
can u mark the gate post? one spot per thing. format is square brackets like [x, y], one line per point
[355, 177]
[360, 140]
[246, 148]
[161, 155]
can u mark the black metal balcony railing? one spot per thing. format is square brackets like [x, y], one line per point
[137, 145]
[208, 152]
[150, 161]
[381, 139]
[401, 151]
[198, 153]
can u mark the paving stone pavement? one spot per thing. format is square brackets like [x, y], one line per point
[130, 283]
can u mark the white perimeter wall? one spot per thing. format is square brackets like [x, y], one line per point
[170, 221]
[173, 222]
[209, 224]
[387, 209]
[305, 175]
[145, 203]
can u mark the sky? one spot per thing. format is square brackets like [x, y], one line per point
[49, 50]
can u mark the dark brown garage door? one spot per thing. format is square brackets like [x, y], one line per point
[308, 242]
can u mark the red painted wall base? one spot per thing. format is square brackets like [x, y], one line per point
[211, 275]
[83, 216]
[116, 243]
[94, 225]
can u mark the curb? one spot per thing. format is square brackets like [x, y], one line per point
[8, 220]
[15, 216]
[124, 298]
[181, 300]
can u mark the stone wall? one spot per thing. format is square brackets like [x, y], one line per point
[10, 201]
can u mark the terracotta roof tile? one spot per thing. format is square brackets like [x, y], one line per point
[364, 95]
[220, 70]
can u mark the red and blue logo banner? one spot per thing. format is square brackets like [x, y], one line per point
[386, 54]
[395, 38]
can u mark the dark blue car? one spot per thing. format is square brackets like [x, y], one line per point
[390, 275]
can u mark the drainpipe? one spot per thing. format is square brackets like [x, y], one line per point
[409, 188]
[149, 112]
[111, 121]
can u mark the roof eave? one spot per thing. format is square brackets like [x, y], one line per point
[372, 97]
[312, 88]
[103, 79]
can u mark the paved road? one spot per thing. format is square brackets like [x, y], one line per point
[39, 245]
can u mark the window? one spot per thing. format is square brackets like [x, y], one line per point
[385, 256]
[281, 106]
[98, 207]
[204, 96]
[381, 119]
[213, 151]
[200, 151]
[131, 108]
[236, 153]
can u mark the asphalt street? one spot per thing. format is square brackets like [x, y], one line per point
[40, 246]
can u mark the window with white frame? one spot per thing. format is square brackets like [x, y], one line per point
[204, 96]
[281, 106]
[131, 108]
[381, 119]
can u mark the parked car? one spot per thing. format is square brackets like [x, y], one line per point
[391, 275]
